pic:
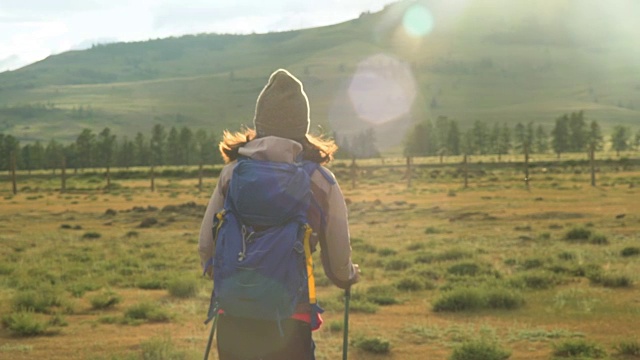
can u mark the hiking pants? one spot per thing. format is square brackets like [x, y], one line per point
[251, 339]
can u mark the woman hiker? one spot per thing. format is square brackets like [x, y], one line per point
[281, 135]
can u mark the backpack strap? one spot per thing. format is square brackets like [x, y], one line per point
[309, 262]
[217, 224]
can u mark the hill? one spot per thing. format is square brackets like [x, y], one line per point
[489, 60]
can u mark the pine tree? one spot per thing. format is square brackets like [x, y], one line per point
[560, 135]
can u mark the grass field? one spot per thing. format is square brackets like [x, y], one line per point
[539, 274]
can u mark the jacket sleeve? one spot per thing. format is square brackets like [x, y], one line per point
[206, 246]
[335, 246]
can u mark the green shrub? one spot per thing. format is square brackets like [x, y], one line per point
[432, 230]
[78, 289]
[146, 312]
[538, 280]
[630, 251]
[628, 348]
[5, 269]
[471, 299]
[386, 252]
[566, 255]
[424, 258]
[464, 269]
[359, 246]
[579, 349]
[105, 300]
[397, 265]
[161, 348]
[479, 350]
[415, 246]
[578, 234]
[150, 283]
[587, 270]
[362, 306]
[374, 345]
[503, 299]
[24, 323]
[532, 263]
[91, 235]
[41, 300]
[58, 320]
[336, 326]
[183, 287]
[410, 283]
[460, 299]
[598, 239]
[452, 255]
[610, 280]
[382, 295]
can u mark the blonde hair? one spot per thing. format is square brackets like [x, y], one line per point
[314, 148]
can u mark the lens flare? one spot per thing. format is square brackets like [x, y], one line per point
[382, 89]
[417, 21]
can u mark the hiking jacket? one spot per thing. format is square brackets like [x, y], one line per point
[333, 237]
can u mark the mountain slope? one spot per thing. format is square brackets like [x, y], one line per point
[489, 60]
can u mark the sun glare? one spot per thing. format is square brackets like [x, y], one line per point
[418, 21]
[382, 89]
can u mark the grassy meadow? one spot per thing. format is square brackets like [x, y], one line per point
[493, 270]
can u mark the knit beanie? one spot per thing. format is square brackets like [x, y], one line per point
[282, 108]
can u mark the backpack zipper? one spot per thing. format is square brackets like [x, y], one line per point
[246, 238]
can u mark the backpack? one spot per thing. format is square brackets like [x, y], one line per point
[262, 264]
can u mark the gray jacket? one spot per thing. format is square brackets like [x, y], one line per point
[335, 248]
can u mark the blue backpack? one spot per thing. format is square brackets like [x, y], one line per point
[262, 265]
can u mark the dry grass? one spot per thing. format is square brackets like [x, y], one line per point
[500, 225]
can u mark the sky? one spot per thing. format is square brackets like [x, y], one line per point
[31, 30]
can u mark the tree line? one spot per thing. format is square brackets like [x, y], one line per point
[162, 146]
[571, 133]
[442, 137]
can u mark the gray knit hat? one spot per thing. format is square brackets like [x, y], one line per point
[282, 108]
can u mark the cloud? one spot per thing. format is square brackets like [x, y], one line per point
[46, 8]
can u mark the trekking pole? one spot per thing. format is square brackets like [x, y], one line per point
[345, 340]
[211, 333]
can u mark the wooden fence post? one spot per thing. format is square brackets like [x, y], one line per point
[63, 176]
[200, 177]
[354, 172]
[592, 157]
[153, 180]
[526, 166]
[108, 175]
[409, 170]
[465, 168]
[12, 165]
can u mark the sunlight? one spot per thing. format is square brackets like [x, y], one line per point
[382, 89]
[418, 21]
